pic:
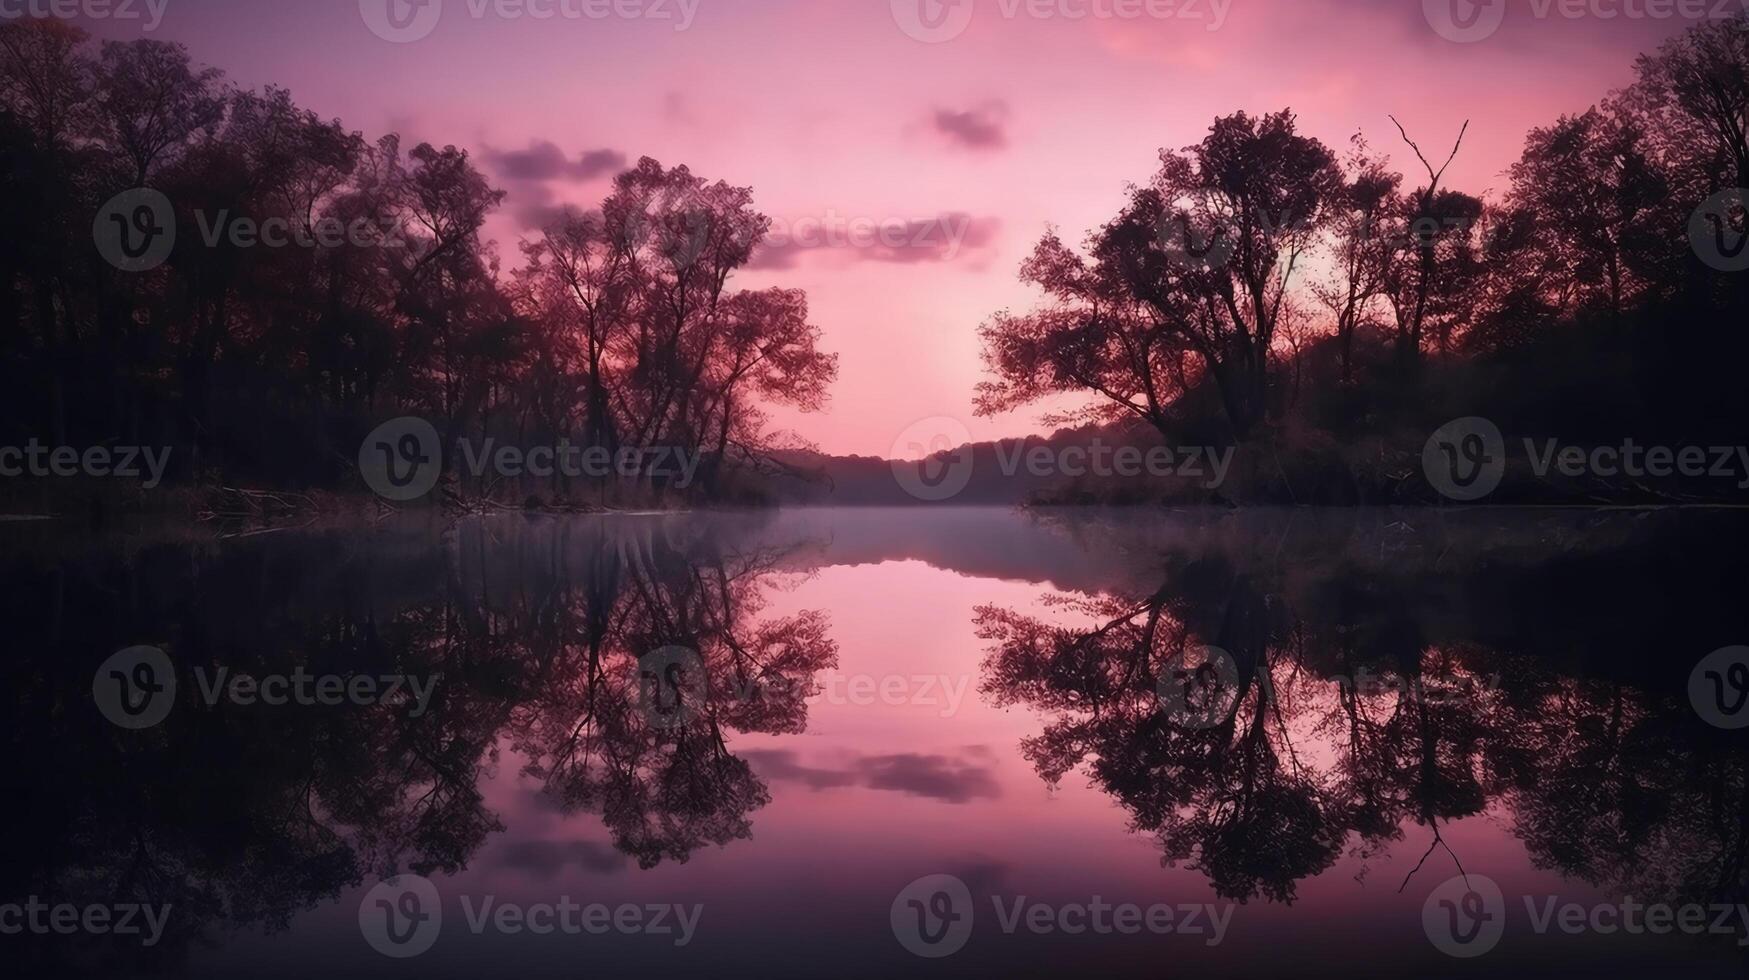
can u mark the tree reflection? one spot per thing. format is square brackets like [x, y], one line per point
[248, 816]
[1363, 717]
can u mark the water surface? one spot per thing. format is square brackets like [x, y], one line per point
[878, 696]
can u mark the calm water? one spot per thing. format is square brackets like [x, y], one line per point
[835, 704]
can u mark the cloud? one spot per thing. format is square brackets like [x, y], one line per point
[898, 241]
[936, 777]
[981, 128]
[544, 859]
[543, 160]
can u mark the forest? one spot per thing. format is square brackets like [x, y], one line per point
[229, 276]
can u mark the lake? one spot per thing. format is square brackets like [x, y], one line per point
[937, 741]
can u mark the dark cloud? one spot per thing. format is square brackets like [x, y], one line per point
[936, 777]
[943, 238]
[543, 160]
[544, 859]
[781, 765]
[982, 128]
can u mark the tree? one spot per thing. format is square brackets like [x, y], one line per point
[1695, 94]
[1360, 245]
[1590, 191]
[1199, 263]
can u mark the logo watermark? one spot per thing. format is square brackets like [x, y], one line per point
[406, 21]
[1466, 460]
[939, 21]
[136, 688]
[1719, 230]
[136, 231]
[674, 687]
[1470, 21]
[934, 460]
[933, 917]
[940, 238]
[402, 917]
[402, 460]
[1202, 690]
[1420, 689]
[1719, 688]
[1467, 917]
[33, 915]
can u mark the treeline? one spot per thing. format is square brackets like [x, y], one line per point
[320, 283]
[1328, 313]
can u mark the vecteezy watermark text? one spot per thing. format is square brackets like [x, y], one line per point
[36, 916]
[402, 460]
[938, 21]
[933, 917]
[136, 688]
[406, 21]
[1467, 917]
[37, 460]
[1420, 689]
[1469, 21]
[402, 917]
[674, 685]
[933, 460]
[136, 231]
[151, 11]
[1466, 460]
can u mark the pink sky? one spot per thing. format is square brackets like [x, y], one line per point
[831, 112]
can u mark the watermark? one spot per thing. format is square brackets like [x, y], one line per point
[1466, 460]
[1467, 917]
[124, 462]
[402, 460]
[674, 687]
[402, 917]
[939, 21]
[33, 915]
[1202, 690]
[406, 21]
[150, 11]
[136, 231]
[932, 459]
[136, 688]
[1192, 249]
[1209, 243]
[1420, 689]
[1206, 465]
[933, 917]
[1470, 21]
[1719, 688]
[940, 238]
[1719, 230]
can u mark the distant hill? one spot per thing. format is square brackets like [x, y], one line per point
[1000, 472]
